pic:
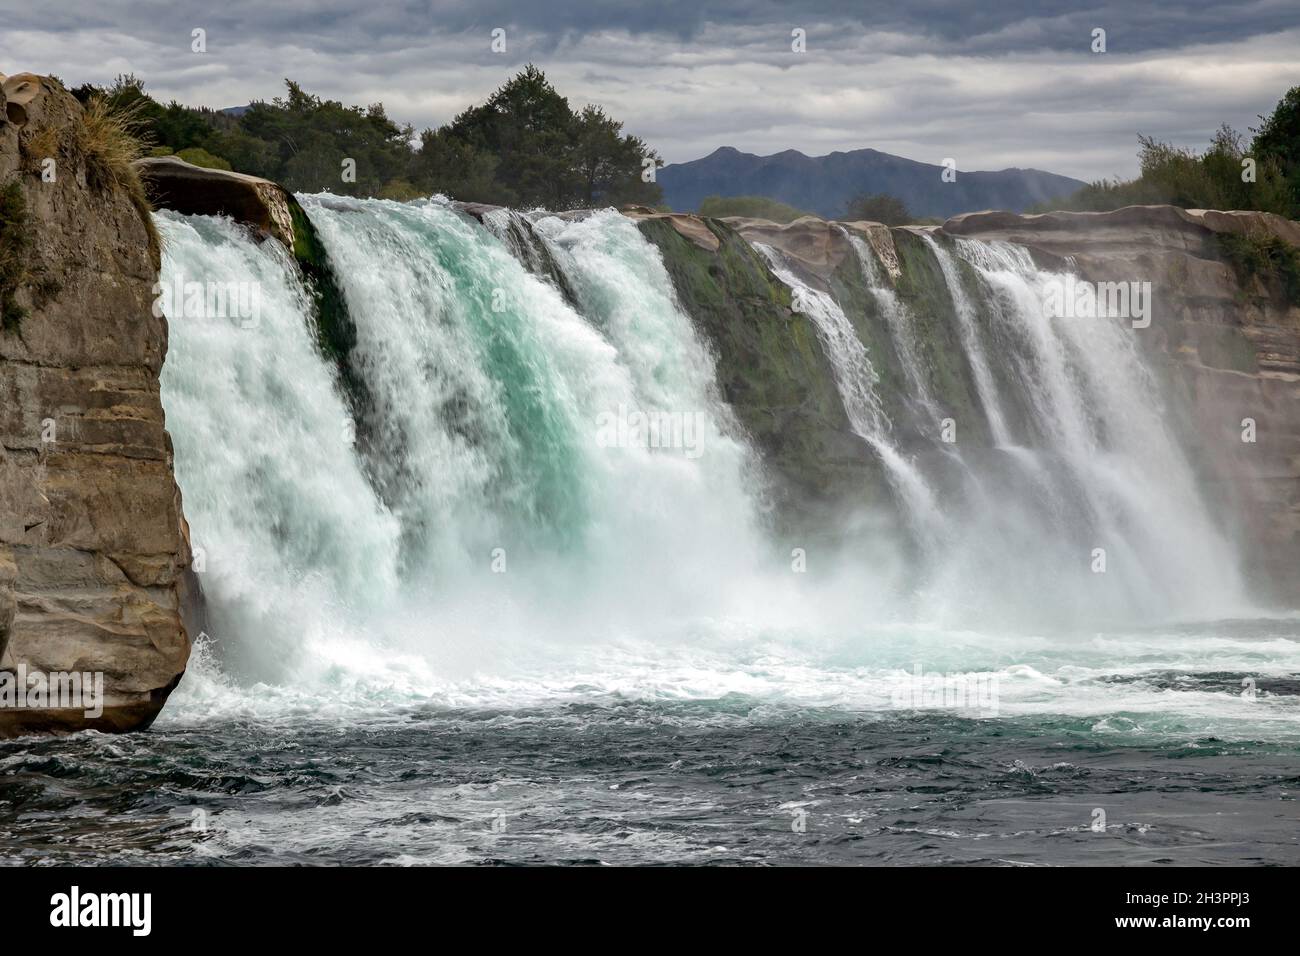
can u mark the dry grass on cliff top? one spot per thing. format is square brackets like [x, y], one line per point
[110, 140]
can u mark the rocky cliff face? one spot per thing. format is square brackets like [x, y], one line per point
[1224, 335]
[93, 550]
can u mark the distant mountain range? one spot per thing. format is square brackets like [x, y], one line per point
[825, 184]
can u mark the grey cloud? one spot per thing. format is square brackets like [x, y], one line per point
[949, 25]
[992, 85]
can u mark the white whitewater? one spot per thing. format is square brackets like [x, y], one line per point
[479, 544]
[856, 378]
[901, 323]
[974, 346]
[523, 474]
[297, 548]
[1102, 472]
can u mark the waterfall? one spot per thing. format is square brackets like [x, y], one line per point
[899, 320]
[541, 459]
[1086, 509]
[1100, 472]
[293, 545]
[970, 337]
[522, 470]
[856, 379]
[530, 247]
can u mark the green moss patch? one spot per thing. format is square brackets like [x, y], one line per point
[15, 240]
[335, 330]
[771, 369]
[1272, 260]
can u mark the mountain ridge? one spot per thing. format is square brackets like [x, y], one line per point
[825, 184]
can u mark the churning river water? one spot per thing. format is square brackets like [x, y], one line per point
[446, 625]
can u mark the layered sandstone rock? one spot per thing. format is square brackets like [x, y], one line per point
[689, 227]
[93, 555]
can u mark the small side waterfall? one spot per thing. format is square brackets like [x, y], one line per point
[1101, 431]
[975, 350]
[1079, 504]
[856, 378]
[899, 320]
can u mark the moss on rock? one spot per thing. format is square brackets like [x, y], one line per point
[14, 242]
[924, 290]
[771, 368]
[336, 332]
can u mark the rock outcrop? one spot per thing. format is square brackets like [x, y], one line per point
[272, 212]
[93, 550]
[772, 370]
[197, 190]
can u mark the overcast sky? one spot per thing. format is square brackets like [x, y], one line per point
[990, 84]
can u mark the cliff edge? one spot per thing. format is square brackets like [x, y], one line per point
[94, 557]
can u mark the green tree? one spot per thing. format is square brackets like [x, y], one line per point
[1277, 140]
[878, 207]
[524, 146]
[525, 125]
[547, 155]
[609, 166]
[310, 139]
[451, 166]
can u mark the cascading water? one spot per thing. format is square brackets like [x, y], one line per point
[976, 353]
[1104, 520]
[856, 379]
[543, 497]
[1100, 411]
[523, 476]
[899, 322]
[507, 420]
[295, 547]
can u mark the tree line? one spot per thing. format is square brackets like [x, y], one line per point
[1231, 173]
[525, 146]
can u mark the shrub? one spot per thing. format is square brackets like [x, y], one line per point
[1267, 257]
[197, 156]
[1212, 179]
[878, 207]
[109, 141]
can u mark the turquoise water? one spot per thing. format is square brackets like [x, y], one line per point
[469, 620]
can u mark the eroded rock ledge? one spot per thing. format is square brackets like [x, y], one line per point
[94, 554]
